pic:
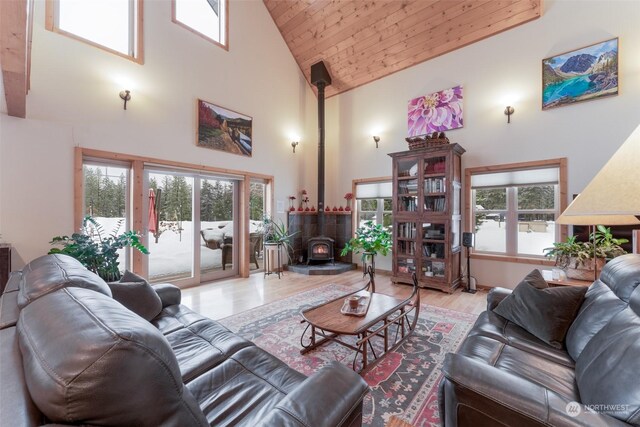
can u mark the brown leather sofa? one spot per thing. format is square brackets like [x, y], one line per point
[70, 354]
[504, 376]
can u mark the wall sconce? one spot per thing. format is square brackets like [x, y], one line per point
[508, 112]
[376, 139]
[125, 95]
[294, 144]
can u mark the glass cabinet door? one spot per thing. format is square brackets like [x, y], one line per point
[406, 247]
[434, 249]
[407, 190]
[434, 184]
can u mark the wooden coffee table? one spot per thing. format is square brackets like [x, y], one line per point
[387, 319]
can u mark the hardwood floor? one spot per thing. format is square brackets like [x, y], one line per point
[221, 299]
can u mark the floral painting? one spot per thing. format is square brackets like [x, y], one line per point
[580, 75]
[223, 129]
[436, 112]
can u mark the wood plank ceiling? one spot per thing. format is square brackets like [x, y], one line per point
[363, 40]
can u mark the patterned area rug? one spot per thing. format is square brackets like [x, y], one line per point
[404, 383]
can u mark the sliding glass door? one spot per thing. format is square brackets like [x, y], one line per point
[189, 245]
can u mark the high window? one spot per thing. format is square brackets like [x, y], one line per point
[374, 202]
[513, 208]
[113, 25]
[207, 18]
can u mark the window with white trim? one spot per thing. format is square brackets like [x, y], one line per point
[514, 210]
[113, 25]
[207, 18]
[374, 203]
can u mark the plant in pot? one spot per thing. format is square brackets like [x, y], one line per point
[97, 251]
[275, 232]
[370, 239]
[577, 258]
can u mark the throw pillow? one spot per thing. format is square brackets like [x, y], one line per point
[137, 296]
[131, 277]
[546, 313]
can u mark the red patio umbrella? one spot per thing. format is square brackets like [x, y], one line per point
[153, 214]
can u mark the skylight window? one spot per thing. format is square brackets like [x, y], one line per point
[207, 18]
[110, 24]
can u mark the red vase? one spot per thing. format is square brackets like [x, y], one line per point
[335, 209]
[341, 209]
[327, 209]
[348, 208]
[292, 209]
[300, 209]
[313, 208]
[307, 209]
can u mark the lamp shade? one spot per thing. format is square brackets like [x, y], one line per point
[613, 195]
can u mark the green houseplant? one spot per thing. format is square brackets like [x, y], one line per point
[577, 258]
[275, 232]
[97, 251]
[370, 239]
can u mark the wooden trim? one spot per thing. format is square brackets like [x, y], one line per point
[243, 249]
[561, 163]
[137, 209]
[50, 8]
[13, 54]
[90, 152]
[515, 259]
[224, 45]
[78, 194]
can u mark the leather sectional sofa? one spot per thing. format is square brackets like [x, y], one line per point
[502, 375]
[71, 354]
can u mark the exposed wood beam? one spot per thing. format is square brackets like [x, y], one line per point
[13, 54]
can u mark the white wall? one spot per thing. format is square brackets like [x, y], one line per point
[504, 69]
[74, 101]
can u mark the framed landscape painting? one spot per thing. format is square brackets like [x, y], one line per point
[223, 129]
[580, 75]
[436, 112]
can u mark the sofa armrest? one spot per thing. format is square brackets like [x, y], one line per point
[496, 295]
[471, 387]
[327, 398]
[169, 294]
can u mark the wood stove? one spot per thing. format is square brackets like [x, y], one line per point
[320, 249]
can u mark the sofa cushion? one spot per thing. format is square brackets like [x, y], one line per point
[138, 297]
[16, 406]
[546, 313]
[598, 308]
[489, 324]
[532, 367]
[52, 272]
[607, 369]
[251, 376]
[9, 310]
[89, 360]
[199, 343]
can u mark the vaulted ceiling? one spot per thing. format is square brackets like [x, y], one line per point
[363, 40]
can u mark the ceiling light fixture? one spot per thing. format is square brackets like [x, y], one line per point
[376, 139]
[294, 144]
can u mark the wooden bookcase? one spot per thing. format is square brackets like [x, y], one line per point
[427, 216]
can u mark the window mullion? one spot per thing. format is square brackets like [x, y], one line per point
[512, 221]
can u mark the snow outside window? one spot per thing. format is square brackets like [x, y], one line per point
[516, 219]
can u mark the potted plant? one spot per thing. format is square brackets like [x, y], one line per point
[274, 232]
[370, 239]
[97, 252]
[577, 258]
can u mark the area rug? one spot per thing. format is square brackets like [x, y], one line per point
[403, 384]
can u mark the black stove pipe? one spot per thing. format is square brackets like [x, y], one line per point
[320, 78]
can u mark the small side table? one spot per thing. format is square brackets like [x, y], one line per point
[268, 268]
[5, 265]
[569, 282]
